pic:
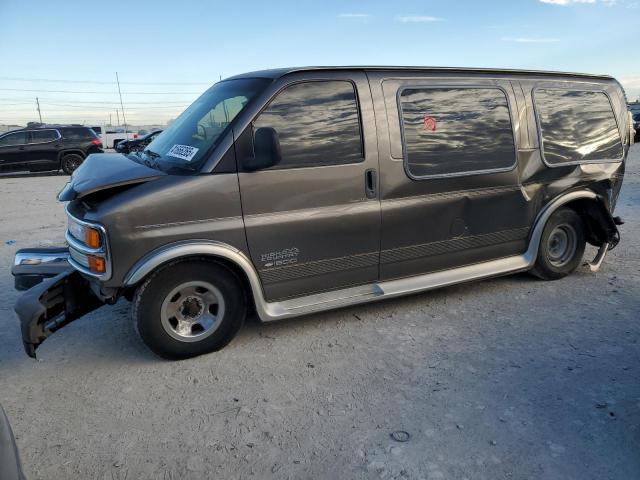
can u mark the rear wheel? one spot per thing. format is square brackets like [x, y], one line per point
[189, 308]
[71, 162]
[561, 246]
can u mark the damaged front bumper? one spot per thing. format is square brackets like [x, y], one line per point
[52, 304]
[32, 265]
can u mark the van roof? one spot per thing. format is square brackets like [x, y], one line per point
[279, 72]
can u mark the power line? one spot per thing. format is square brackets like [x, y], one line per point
[101, 92]
[104, 107]
[96, 82]
[98, 102]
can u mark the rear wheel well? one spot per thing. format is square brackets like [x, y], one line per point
[69, 152]
[129, 292]
[598, 223]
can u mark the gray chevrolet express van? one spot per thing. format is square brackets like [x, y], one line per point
[295, 191]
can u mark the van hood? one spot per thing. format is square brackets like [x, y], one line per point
[103, 171]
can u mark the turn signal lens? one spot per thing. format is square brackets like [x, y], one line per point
[92, 237]
[97, 264]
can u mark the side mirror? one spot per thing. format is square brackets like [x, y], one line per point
[266, 150]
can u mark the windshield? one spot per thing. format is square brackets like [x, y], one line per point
[187, 141]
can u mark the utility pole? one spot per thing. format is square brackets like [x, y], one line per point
[118, 117]
[110, 120]
[38, 104]
[124, 119]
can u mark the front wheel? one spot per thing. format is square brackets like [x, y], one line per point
[189, 308]
[561, 246]
[71, 162]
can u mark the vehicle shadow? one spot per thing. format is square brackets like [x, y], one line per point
[10, 175]
[107, 336]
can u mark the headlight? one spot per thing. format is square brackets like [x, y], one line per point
[91, 237]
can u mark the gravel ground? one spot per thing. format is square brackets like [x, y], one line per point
[509, 378]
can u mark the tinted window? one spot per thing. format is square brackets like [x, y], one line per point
[453, 131]
[317, 124]
[17, 138]
[577, 126]
[41, 136]
[78, 134]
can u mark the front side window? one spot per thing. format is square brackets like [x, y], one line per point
[456, 131]
[577, 126]
[185, 143]
[317, 124]
[43, 136]
[78, 134]
[17, 138]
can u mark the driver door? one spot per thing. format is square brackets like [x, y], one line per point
[313, 220]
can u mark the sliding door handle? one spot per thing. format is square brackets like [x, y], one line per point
[371, 183]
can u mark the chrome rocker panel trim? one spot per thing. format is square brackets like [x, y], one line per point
[319, 302]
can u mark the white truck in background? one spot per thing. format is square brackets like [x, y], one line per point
[111, 136]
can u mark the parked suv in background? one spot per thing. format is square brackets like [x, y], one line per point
[47, 148]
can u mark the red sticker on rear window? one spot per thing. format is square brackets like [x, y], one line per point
[429, 123]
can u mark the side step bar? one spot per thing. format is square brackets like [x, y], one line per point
[321, 302]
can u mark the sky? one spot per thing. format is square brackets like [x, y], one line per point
[166, 53]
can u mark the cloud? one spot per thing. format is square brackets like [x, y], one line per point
[355, 16]
[417, 18]
[565, 3]
[530, 39]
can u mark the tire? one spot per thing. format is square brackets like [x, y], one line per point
[70, 162]
[189, 308]
[561, 246]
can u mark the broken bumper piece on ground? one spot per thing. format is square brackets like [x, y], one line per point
[51, 305]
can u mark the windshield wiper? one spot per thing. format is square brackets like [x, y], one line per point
[150, 161]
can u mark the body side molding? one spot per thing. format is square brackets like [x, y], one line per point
[269, 311]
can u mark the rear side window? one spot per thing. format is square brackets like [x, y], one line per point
[317, 124]
[78, 134]
[577, 126]
[43, 136]
[17, 138]
[456, 131]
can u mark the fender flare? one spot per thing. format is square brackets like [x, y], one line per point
[541, 220]
[191, 248]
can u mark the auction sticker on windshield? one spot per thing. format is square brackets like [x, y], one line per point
[183, 152]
